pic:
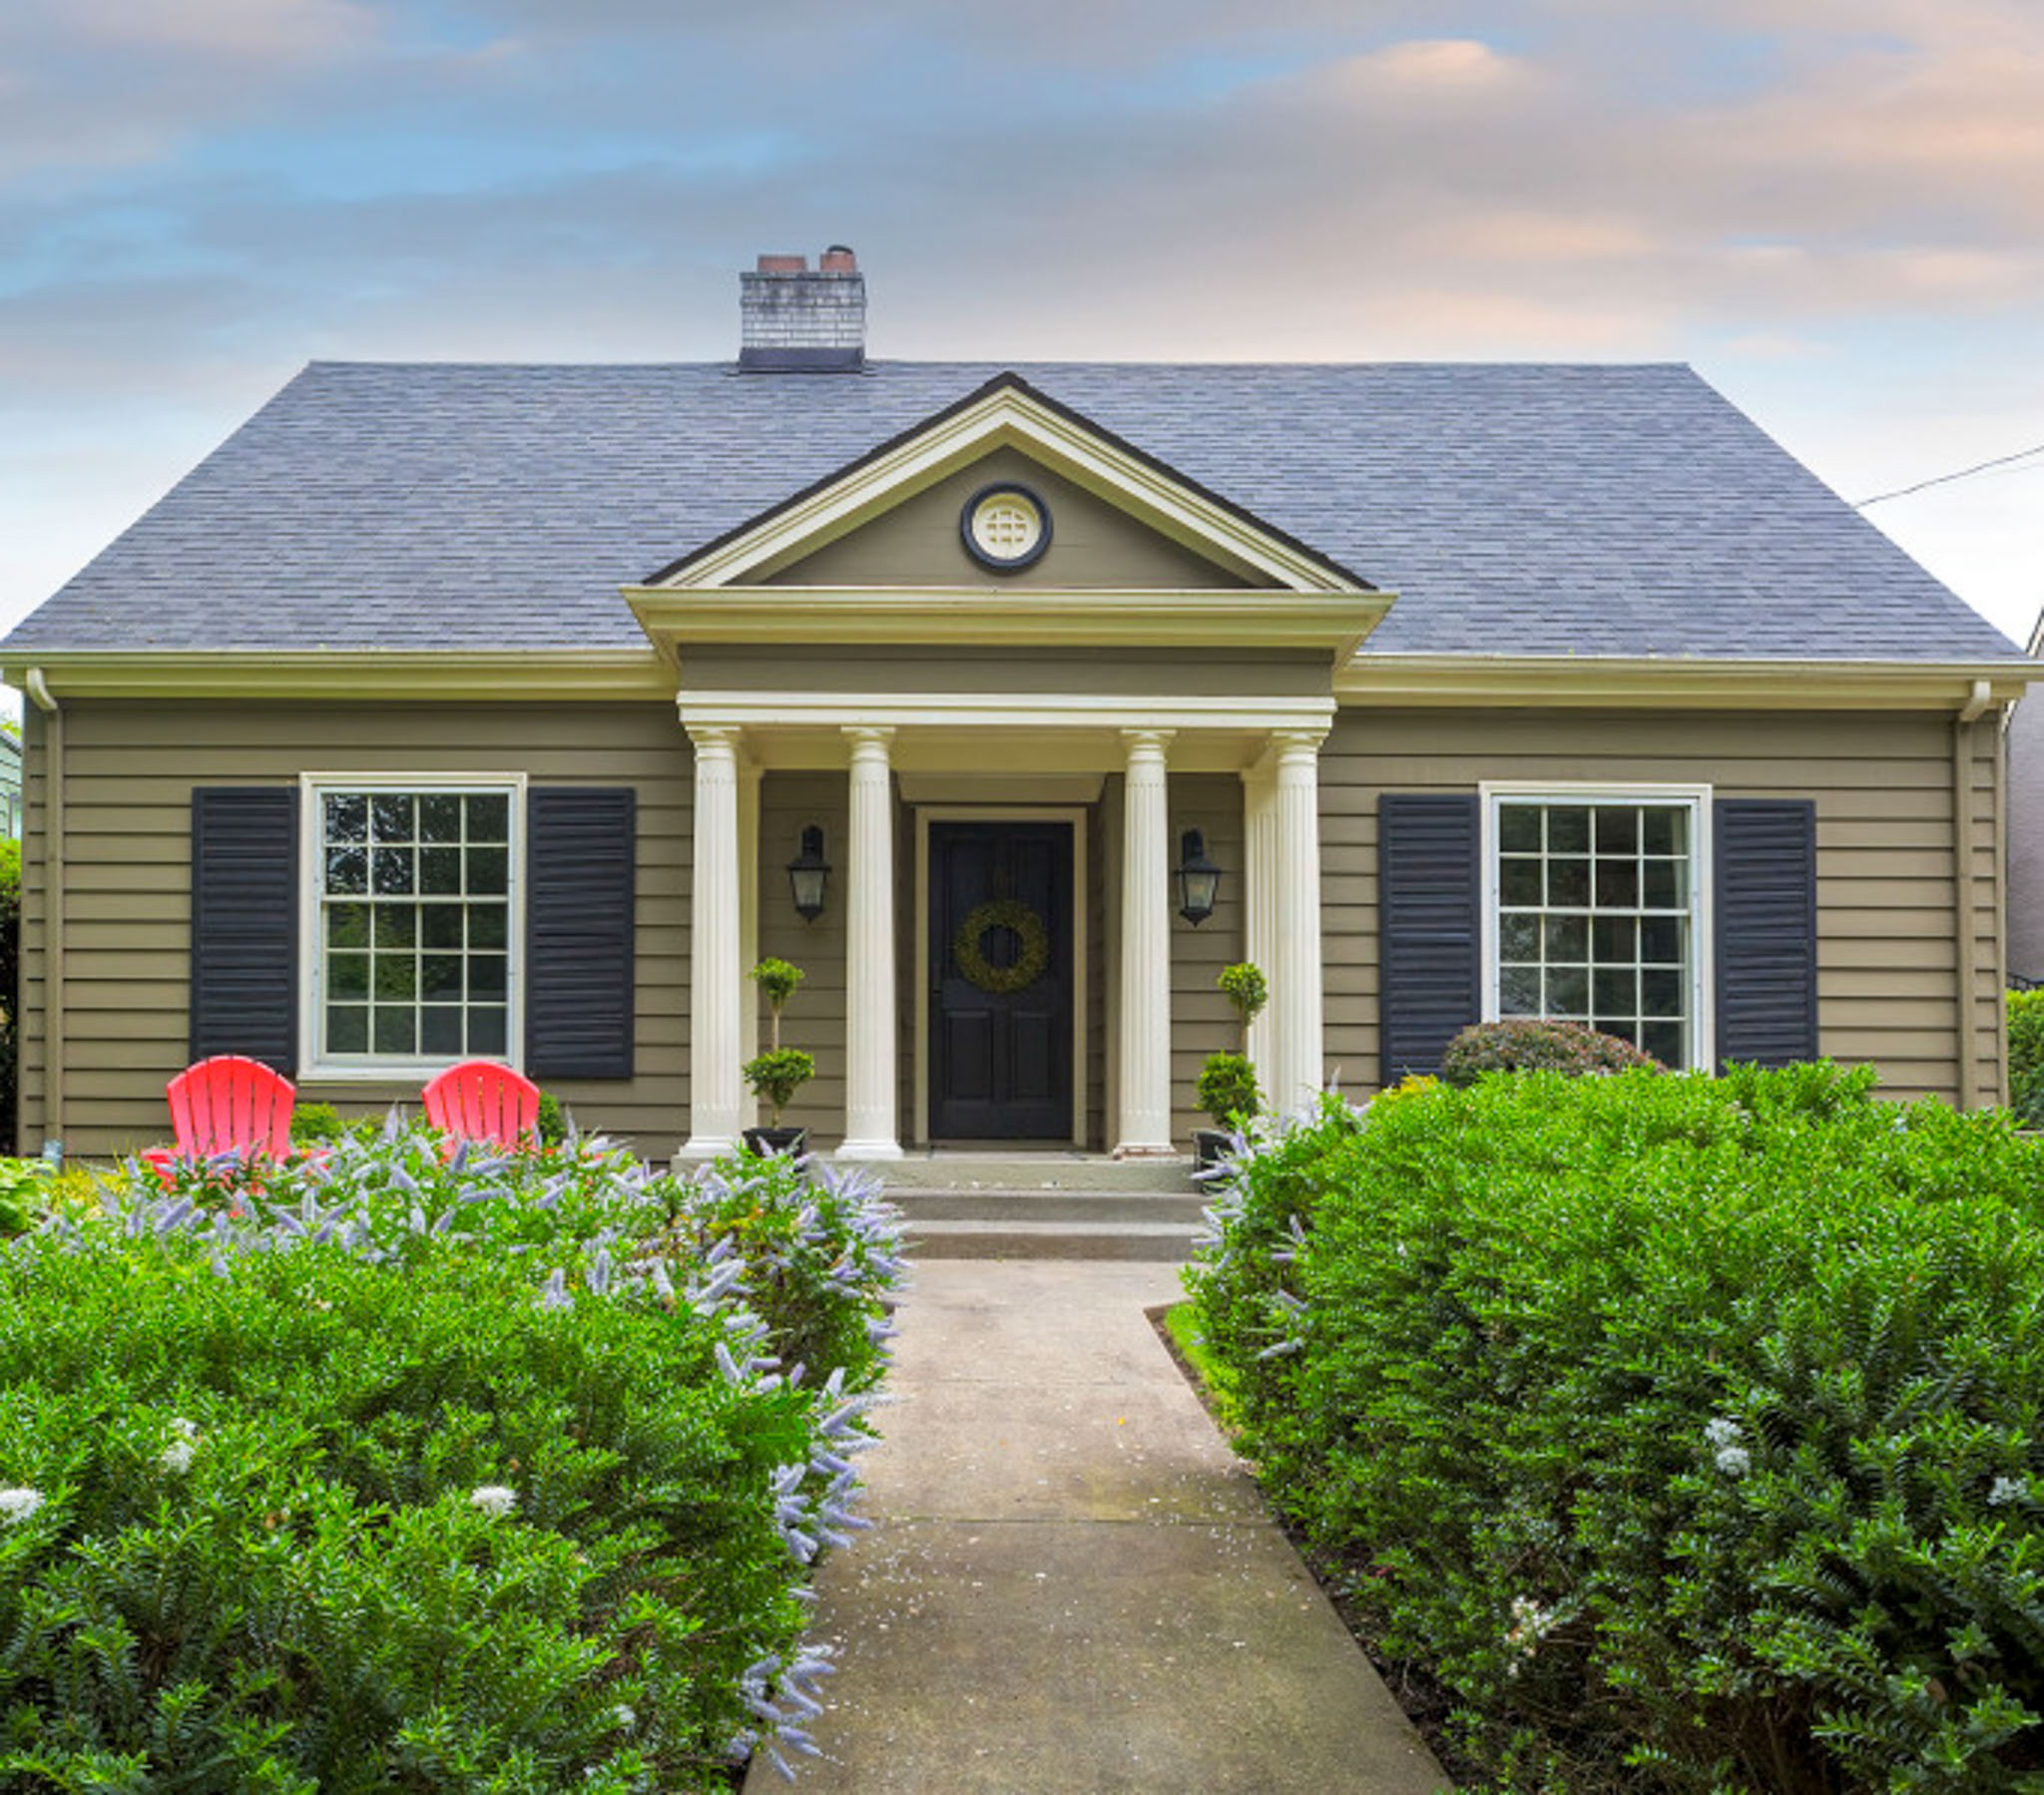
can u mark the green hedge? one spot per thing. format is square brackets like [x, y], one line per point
[2026, 1056]
[1689, 1430]
[384, 1471]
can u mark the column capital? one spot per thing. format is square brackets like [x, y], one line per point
[1297, 745]
[866, 739]
[717, 739]
[1147, 741]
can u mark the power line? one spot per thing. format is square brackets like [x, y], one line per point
[1963, 473]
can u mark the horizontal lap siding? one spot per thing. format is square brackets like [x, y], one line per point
[814, 1018]
[129, 770]
[1887, 924]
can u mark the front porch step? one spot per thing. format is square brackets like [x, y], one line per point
[1035, 1224]
[1091, 1174]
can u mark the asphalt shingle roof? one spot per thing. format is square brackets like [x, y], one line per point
[1514, 509]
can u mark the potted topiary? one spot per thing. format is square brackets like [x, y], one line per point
[778, 1073]
[1228, 1083]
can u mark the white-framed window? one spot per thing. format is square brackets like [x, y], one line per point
[1595, 911]
[412, 921]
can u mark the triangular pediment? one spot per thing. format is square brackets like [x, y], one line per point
[1117, 518]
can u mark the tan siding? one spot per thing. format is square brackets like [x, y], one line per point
[814, 1017]
[1201, 1021]
[129, 770]
[1093, 544]
[1887, 911]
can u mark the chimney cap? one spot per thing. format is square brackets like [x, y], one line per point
[783, 265]
[838, 259]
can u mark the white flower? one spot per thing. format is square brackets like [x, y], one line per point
[624, 1718]
[16, 1505]
[494, 1500]
[1530, 1623]
[1721, 1431]
[2007, 1490]
[1734, 1461]
[183, 1442]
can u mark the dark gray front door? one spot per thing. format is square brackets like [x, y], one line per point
[1000, 977]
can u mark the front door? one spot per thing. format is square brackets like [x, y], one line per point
[1000, 977]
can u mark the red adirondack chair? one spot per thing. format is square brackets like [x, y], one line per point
[227, 1103]
[480, 1100]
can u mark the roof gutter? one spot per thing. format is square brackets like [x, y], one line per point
[37, 688]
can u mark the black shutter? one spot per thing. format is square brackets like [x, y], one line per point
[1429, 935]
[579, 997]
[1766, 915]
[245, 923]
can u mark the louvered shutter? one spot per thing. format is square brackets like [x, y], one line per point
[1429, 934]
[245, 923]
[580, 908]
[1765, 918]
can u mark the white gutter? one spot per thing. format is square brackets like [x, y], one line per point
[38, 690]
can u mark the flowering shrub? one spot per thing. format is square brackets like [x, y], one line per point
[1531, 1044]
[1685, 1428]
[395, 1469]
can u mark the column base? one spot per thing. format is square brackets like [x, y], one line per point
[699, 1148]
[1147, 1149]
[868, 1149]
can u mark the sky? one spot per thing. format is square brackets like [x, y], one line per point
[1833, 210]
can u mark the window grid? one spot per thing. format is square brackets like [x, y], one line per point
[414, 923]
[1594, 918]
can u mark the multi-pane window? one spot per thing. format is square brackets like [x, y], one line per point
[414, 923]
[1596, 917]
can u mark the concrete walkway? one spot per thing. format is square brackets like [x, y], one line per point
[1073, 1588]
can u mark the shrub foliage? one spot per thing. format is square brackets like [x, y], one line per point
[1533, 1044]
[1686, 1427]
[389, 1470]
[2026, 1056]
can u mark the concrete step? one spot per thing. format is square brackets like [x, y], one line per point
[1037, 1224]
[1164, 1242]
[1090, 1173]
[1098, 1206]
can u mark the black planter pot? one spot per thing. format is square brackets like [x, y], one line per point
[1210, 1147]
[777, 1140]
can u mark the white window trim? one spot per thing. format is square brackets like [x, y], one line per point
[1703, 982]
[312, 955]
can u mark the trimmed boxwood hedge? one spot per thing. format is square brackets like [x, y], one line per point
[1688, 1429]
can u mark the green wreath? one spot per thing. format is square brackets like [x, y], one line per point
[1029, 964]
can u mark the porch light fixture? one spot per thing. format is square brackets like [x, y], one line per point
[808, 874]
[1199, 879]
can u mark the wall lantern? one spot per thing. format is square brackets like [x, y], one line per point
[808, 874]
[1199, 879]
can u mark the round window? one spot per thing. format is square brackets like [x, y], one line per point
[1005, 527]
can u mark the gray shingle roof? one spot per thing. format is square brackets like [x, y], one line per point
[1515, 509]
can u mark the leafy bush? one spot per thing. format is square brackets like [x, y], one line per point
[553, 1120]
[1685, 1428]
[474, 1473]
[312, 1124]
[1532, 1044]
[24, 1193]
[2026, 1056]
[1245, 989]
[778, 1075]
[1227, 1088]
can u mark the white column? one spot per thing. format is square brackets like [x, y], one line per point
[716, 979]
[871, 1077]
[1259, 874]
[748, 909]
[1297, 1072]
[1144, 1086]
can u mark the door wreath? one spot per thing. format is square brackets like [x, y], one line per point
[1029, 961]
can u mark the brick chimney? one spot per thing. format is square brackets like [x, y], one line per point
[797, 321]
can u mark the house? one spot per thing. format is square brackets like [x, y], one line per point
[453, 710]
[10, 782]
